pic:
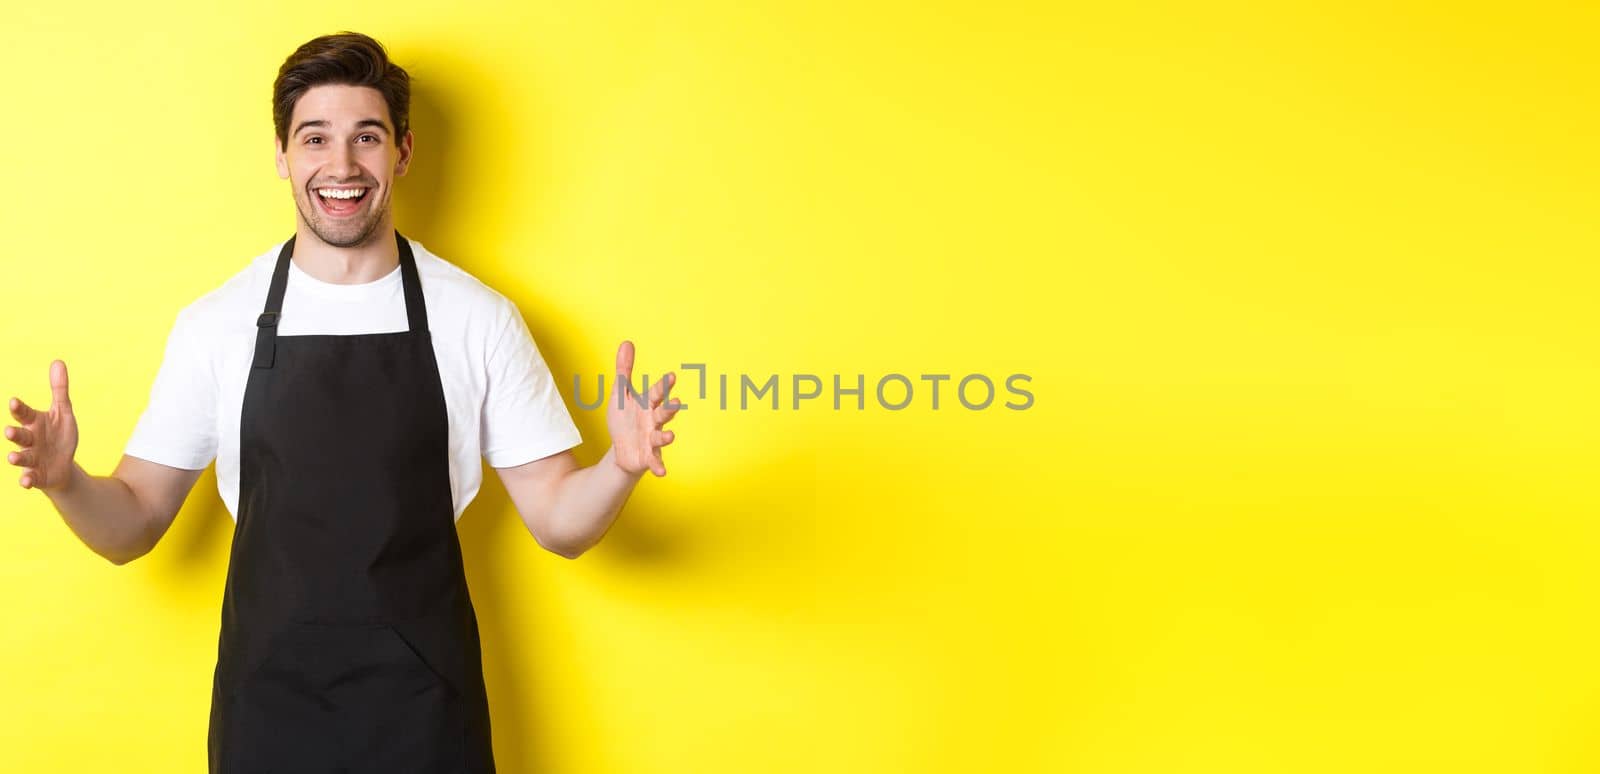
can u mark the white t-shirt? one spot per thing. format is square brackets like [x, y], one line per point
[502, 401]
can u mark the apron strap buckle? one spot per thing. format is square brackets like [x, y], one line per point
[266, 339]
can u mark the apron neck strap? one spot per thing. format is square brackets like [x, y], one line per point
[267, 322]
[416, 310]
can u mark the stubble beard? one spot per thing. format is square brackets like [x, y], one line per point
[344, 234]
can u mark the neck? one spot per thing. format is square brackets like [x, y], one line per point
[371, 260]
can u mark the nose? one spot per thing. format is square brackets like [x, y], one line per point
[343, 164]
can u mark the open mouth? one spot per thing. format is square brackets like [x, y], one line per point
[342, 201]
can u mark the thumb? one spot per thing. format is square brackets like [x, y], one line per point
[625, 362]
[58, 385]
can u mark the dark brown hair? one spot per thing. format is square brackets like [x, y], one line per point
[345, 58]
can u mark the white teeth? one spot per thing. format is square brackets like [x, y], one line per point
[335, 193]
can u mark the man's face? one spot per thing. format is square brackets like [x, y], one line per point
[342, 145]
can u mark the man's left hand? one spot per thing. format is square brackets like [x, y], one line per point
[635, 422]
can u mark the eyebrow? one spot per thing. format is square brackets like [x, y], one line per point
[359, 124]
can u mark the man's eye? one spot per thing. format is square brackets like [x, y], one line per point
[310, 140]
[365, 136]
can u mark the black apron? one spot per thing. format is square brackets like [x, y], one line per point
[349, 643]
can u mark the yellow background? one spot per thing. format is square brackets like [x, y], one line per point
[1308, 299]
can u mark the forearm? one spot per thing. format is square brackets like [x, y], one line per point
[105, 514]
[585, 504]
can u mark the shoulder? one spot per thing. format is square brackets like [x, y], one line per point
[460, 296]
[235, 302]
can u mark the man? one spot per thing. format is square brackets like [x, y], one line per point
[346, 382]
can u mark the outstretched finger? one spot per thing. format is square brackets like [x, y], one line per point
[656, 465]
[22, 459]
[22, 411]
[661, 438]
[666, 411]
[659, 389]
[19, 435]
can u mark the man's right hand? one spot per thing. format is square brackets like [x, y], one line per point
[120, 516]
[47, 439]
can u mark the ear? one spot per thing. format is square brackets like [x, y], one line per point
[404, 161]
[283, 160]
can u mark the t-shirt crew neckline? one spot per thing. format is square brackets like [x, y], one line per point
[359, 291]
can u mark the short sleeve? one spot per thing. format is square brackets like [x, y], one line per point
[179, 425]
[524, 418]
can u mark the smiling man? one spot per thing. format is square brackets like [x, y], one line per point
[347, 382]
